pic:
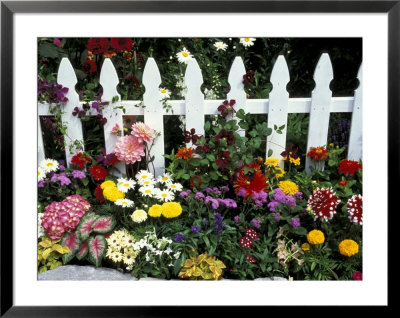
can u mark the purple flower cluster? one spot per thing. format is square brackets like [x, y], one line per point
[179, 237]
[195, 229]
[280, 197]
[259, 197]
[185, 194]
[51, 92]
[256, 223]
[62, 177]
[216, 203]
[78, 174]
[295, 222]
[219, 225]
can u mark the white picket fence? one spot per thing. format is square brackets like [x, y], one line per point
[194, 106]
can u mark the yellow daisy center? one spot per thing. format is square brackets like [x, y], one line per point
[38, 173]
[164, 195]
[164, 178]
[144, 177]
[163, 91]
[126, 185]
[49, 164]
[185, 54]
[173, 186]
[147, 191]
[246, 39]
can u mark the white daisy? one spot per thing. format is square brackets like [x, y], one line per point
[49, 165]
[148, 191]
[124, 185]
[166, 178]
[183, 56]
[165, 93]
[165, 195]
[247, 41]
[125, 203]
[220, 46]
[40, 174]
[147, 182]
[143, 175]
[175, 186]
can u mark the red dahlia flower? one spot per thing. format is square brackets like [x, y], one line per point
[246, 242]
[251, 258]
[354, 207]
[122, 44]
[80, 160]
[323, 202]
[89, 66]
[98, 192]
[98, 172]
[254, 181]
[98, 45]
[318, 153]
[349, 167]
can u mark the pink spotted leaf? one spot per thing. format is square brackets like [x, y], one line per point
[97, 249]
[103, 224]
[83, 250]
[72, 241]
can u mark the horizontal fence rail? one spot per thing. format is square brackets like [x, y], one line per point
[194, 107]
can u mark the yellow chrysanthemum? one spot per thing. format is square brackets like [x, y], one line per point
[288, 187]
[348, 248]
[113, 194]
[171, 209]
[315, 237]
[305, 247]
[107, 184]
[296, 162]
[155, 211]
[279, 172]
[272, 162]
[139, 216]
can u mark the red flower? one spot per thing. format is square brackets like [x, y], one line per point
[357, 276]
[80, 160]
[251, 258]
[318, 153]
[248, 77]
[251, 179]
[246, 242]
[89, 66]
[225, 135]
[355, 210]
[122, 44]
[343, 183]
[291, 151]
[98, 192]
[98, 172]
[349, 167]
[323, 202]
[224, 159]
[227, 107]
[190, 136]
[98, 45]
[251, 233]
[185, 153]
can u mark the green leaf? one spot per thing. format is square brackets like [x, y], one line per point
[270, 151]
[313, 265]
[207, 126]
[186, 176]
[48, 50]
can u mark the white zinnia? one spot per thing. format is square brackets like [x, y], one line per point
[164, 93]
[220, 46]
[247, 41]
[49, 165]
[126, 203]
[183, 56]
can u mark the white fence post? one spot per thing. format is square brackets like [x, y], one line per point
[235, 79]
[153, 112]
[40, 148]
[109, 81]
[278, 107]
[67, 78]
[355, 139]
[194, 98]
[320, 106]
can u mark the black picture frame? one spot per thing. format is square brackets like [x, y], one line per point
[8, 8]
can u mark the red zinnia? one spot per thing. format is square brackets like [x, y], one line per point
[251, 182]
[122, 44]
[80, 160]
[185, 153]
[246, 242]
[251, 233]
[343, 183]
[98, 45]
[323, 202]
[98, 192]
[354, 207]
[251, 258]
[89, 66]
[349, 167]
[318, 153]
[98, 172]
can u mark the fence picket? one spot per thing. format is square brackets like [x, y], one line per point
[320, 106]
[278, 107]
[40, 147]
[66, 77]
[153, 112]
[355, 139]
[235, 80]
[194, 98]
[109, 81]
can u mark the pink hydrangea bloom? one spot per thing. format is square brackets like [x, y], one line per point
[64, 216]
[129, 149]
[143, 132]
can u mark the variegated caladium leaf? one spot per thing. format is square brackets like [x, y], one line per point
[72, 241]
[85, 227]
[97, 249]
[83, 250]
[103, 224]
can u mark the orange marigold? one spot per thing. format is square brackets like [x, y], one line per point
[185, 153]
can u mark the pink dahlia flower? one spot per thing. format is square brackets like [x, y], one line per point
[129, 149]
[143, 132]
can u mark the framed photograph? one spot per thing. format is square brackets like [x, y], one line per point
[157, 155]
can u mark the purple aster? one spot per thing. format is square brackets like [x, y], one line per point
[224, 188]
[216, 191]
[64, 179]
[199, 195]
[272, 205]
[179, 237]
[207, 190]
[54, 178]
[277, 216]
[230, 203]
[214, 202]
[184, 194]
[256, 223]
[219, 226]
[236, 218]
[41, 184]
[295, 222]
[78, 174]
[195, 229]
[241, 192]
[299, 195]
[290, 201]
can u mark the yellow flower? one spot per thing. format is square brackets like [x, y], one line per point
[113, 194]
[155, 211]
[272, 162]
[279, 172]
[171, 209]
[139, 216]
[107, 184]
[348, 248]
[315, 237]
[305, 247]
[296, 162]
[288, 187]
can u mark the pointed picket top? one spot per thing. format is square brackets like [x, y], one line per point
[323, 74]
[355, 139]
[278, 108]
[151, 77]
[109, 80]
[66, 75]
[193, 76]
